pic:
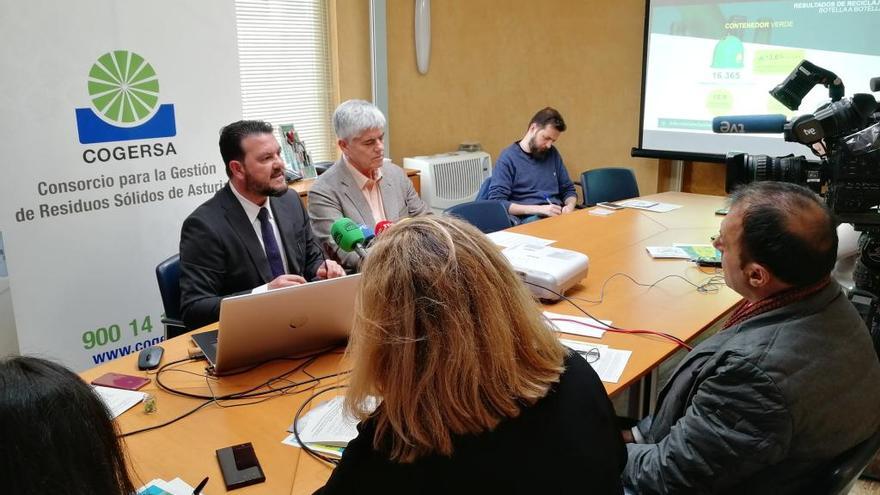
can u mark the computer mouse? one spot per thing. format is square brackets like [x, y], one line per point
[150, 357]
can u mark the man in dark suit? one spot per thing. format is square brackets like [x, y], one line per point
[252, 236]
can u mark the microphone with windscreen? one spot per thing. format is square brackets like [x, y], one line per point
[348, 236]
[369, 235]
[382, 226]
[749, 124]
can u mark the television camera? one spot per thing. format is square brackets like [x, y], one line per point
[845, 136]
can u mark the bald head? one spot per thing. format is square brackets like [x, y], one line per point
[788, 229]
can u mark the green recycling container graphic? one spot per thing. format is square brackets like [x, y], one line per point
[728, 53]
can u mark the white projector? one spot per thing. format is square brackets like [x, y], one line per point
[548, 271]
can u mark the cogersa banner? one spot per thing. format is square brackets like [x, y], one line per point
[111, 119]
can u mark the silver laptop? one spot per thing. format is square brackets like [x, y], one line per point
[293, 321]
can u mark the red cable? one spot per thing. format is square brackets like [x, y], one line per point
[609, 328]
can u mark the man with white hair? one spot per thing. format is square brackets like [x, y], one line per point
[360, 185]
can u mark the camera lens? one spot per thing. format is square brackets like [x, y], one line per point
[743, 168]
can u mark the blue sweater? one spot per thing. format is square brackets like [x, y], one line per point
[519, 178]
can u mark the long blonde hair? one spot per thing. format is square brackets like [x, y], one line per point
[447, 336]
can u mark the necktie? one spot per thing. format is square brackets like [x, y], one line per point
[273, 254]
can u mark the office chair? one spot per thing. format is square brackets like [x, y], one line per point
[488, 216]
[847, 467]
[321, 167]
[608, 184]
[483, 193]
[168, 276]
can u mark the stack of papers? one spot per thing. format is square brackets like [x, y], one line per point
[668, 252]
[641, 204]
[161, 487]
[327, 428]
[511, 239]
[609, 364]
[577, 328]
[118, 400]
[685, 251]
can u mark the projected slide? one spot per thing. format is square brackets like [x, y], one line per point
[707, 59]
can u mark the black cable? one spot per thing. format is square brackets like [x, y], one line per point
[174, 420]
[311, 452]
[266, 395]
[309, 359]
[708, 286]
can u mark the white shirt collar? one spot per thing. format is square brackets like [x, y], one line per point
[251, 209]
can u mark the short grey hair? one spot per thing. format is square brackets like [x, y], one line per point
[353, 117]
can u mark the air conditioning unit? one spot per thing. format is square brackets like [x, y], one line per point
[448, 179]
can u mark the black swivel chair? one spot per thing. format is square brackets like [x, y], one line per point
[845, 470]
[168, 276]
[608, 184]
[488, 216]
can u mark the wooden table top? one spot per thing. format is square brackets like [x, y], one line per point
[614, 243]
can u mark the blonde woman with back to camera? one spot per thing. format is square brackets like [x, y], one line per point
[476, 393]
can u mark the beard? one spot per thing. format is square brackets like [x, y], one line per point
[536, 152]
[264, 188]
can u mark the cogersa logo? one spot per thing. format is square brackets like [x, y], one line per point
[124, 91]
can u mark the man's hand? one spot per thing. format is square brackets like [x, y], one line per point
[285, 281]
[568, 208]
[547, 210]
[330, 269]
[627, 436]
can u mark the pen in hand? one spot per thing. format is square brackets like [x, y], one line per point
[200, 486]
[555, 210]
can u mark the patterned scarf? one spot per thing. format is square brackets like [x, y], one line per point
[748, 309]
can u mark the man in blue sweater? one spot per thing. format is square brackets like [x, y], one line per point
[529, 176]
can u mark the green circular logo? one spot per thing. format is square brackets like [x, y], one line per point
[123, 88]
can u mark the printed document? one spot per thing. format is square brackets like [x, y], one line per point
[654, 206]
[608, 363]
[118, 400]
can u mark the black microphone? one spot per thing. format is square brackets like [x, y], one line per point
[748, 124]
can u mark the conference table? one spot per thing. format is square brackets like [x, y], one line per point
[614, 243]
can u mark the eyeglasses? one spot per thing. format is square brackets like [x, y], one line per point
[591, 355]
